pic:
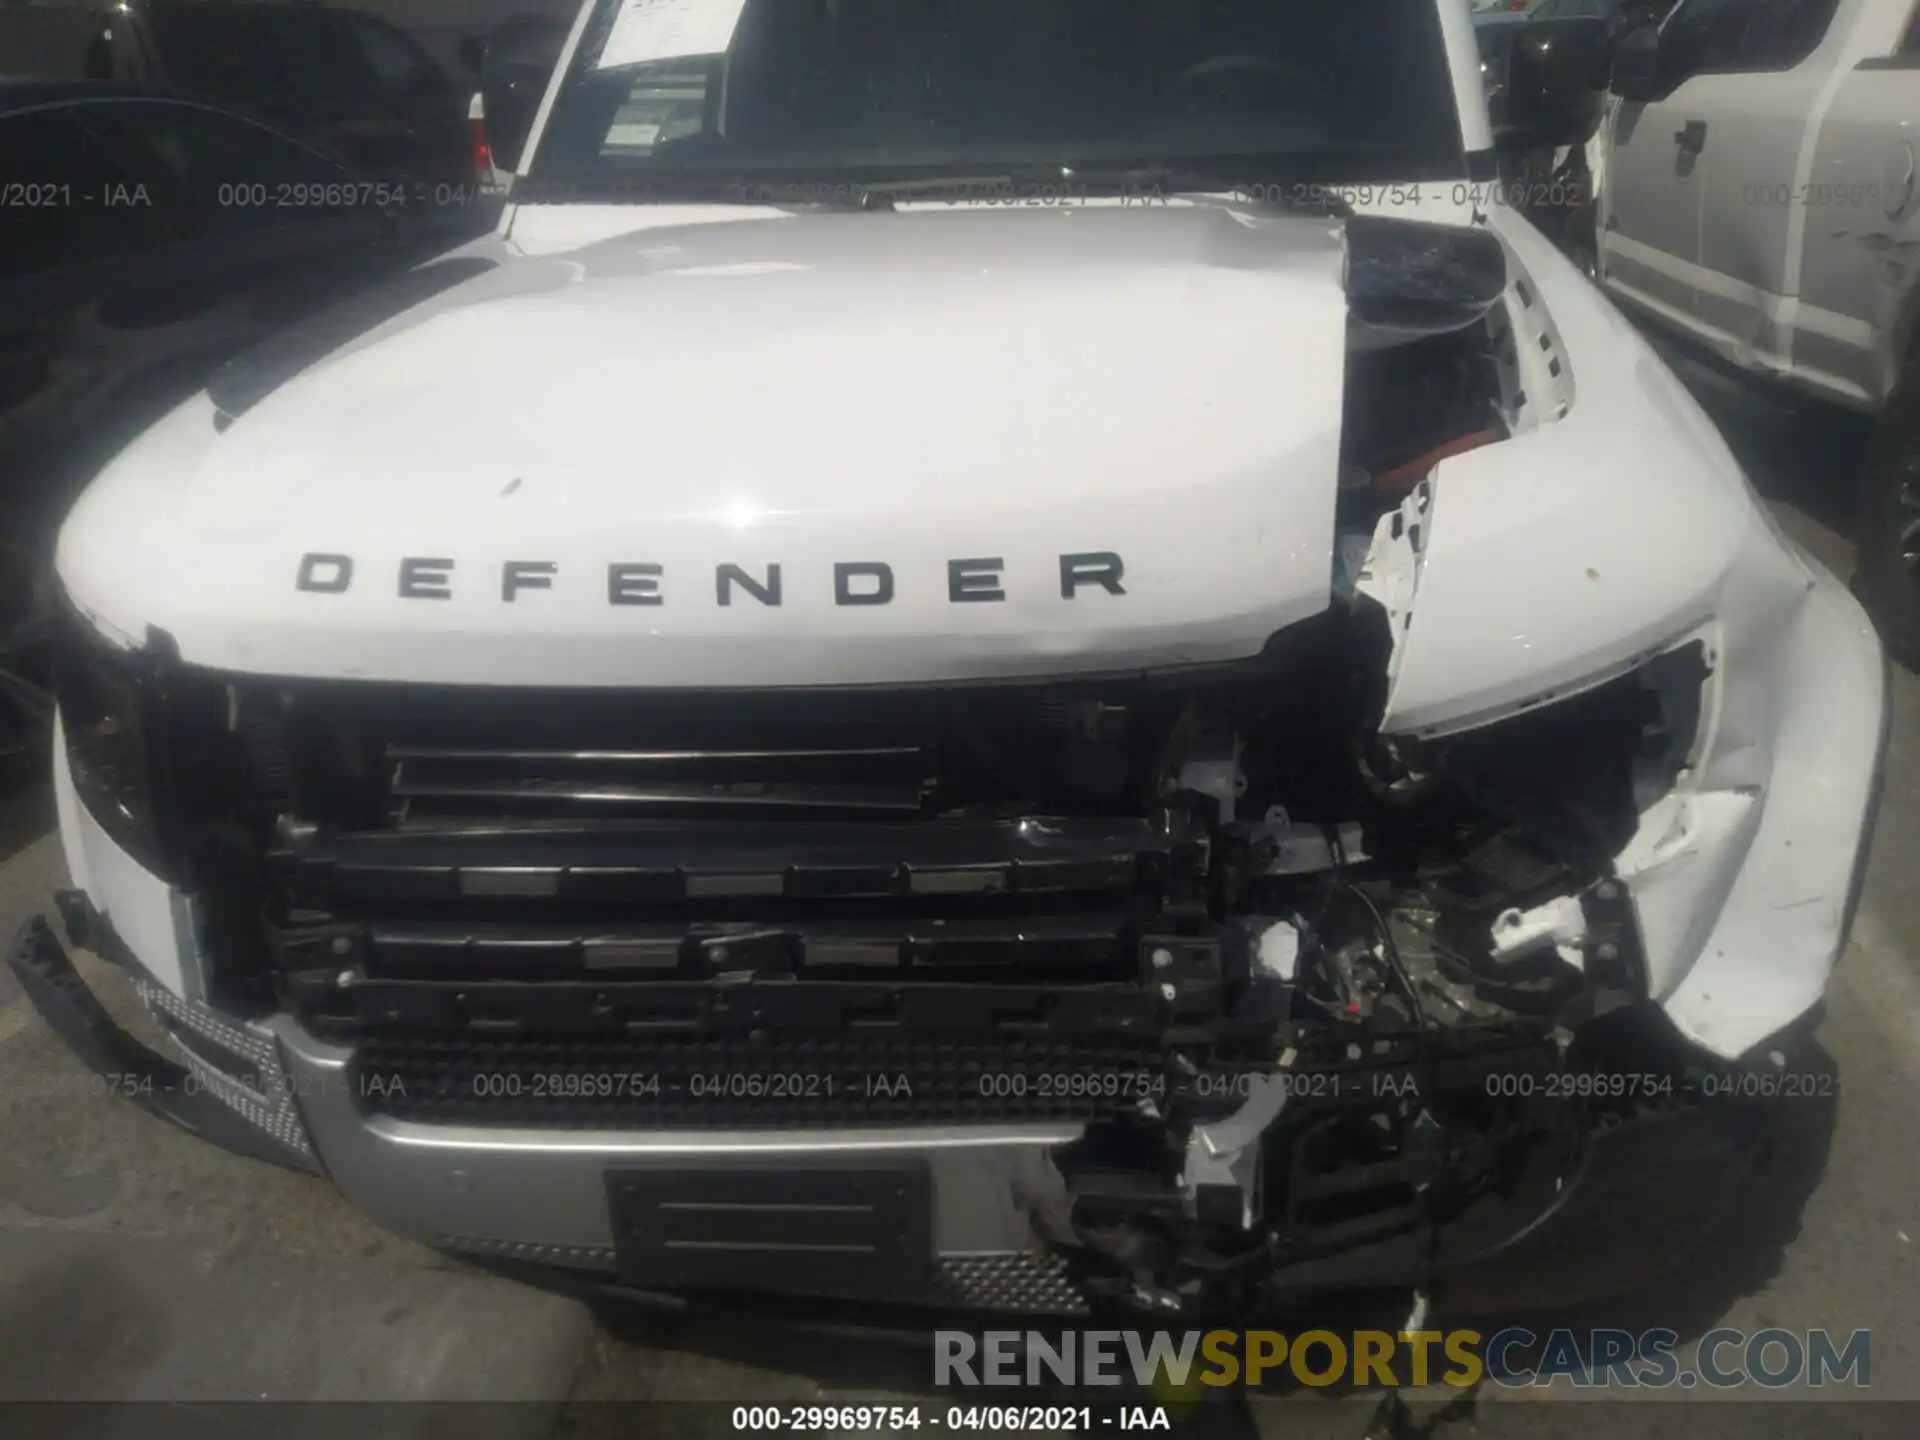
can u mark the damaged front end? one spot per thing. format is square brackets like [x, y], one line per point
[1417, 1005]
[1447, 946]
[1324, 1007]
[1411, 950]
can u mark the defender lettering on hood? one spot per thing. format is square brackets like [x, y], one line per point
[1165, 386]
[855, 582]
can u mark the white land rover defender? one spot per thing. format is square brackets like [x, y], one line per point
[994, 654]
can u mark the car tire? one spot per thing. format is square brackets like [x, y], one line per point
[1888, 577]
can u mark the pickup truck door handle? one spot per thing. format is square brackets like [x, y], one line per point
[1691, 137]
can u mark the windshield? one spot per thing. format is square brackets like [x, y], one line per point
[668, 91]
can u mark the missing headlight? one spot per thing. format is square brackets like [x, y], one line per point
[102, 714]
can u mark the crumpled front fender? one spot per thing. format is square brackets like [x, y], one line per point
[1579, 550]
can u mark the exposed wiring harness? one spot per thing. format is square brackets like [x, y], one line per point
[1423, 1047]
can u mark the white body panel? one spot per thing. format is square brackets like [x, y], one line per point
[1786, 244]
[1758, 133]
[1649, 209]
[1469, 85]
[1860, 274]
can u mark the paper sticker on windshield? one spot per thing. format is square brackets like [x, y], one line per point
[669, 30]
[632, 137]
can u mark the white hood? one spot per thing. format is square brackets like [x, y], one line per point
[1156, 392]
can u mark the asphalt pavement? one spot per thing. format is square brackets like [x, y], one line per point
[138, 1264]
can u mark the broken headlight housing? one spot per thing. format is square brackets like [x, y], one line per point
[103, 714]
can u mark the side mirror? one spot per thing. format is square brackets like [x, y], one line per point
[1556, 80]
[1636, 64]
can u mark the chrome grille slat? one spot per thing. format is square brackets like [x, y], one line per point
[740, 795]
[850, 778]
[867, 752]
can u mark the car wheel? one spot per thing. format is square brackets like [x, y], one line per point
[1889, 538]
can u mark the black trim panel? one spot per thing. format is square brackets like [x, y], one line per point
[827, 1229]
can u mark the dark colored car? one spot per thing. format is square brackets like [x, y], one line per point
[149, 237]
[359, 84]
[518, 62]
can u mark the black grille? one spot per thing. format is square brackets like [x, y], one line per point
[668, 910]
[777, 1082]
[367, 756]
[636, 868]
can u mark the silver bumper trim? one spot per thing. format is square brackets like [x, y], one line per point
[1027, 1280]
[999, 1202]
[271, 1106]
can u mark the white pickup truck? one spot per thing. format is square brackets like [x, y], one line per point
[1760, 196]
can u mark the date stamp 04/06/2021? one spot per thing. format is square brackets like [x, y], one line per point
[872, 1422]
[639, 1086]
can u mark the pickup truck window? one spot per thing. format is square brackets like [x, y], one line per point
[1740, 36]
[1357, 91]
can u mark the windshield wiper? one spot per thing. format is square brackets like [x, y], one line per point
[1175, 178]
[1151, 181]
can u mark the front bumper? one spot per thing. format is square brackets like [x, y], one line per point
[1630, 1203]
[184, 1091]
